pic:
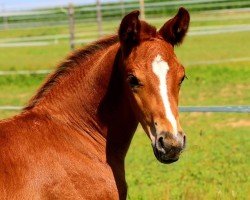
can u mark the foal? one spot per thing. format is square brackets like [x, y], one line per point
[71, 140]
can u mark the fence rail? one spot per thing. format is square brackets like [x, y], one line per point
[198, 109]
[223, 109]
[101, 18]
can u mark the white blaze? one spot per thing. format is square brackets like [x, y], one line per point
[160, 68]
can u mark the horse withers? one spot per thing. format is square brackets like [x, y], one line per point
[71, 140]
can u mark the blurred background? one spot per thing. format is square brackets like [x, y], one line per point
[36, 35]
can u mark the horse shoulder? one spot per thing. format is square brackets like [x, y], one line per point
[25, 157]
[13, 160]
[38, 159]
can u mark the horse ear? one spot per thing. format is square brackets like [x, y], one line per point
[175, 29]
[129, 31]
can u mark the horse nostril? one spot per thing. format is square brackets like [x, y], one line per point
[161, 142]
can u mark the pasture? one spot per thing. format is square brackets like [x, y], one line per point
[216, 162]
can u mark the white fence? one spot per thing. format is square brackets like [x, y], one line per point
[103, 19]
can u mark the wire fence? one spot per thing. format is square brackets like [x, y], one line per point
[84, 20]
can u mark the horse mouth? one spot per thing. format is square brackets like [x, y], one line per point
[163, 157]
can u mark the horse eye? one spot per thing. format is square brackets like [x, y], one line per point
[133, 81]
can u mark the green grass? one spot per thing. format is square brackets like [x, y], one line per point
[27, 58]
[16, 90]
[215, 164]
[216, 85]
[215, 47]
[4, 114]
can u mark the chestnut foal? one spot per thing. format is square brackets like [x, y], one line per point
[71, 140]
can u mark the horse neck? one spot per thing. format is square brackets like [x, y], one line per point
[95, 102]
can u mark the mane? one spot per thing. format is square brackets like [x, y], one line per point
[78, 57]
[70, 62]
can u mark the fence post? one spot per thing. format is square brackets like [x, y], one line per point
[71, 16]
[99, 17]
[142, 9]
[5, 19]
[122, 7]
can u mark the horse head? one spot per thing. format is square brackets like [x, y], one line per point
[153, 77]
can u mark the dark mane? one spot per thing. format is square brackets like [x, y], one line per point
[70, 62]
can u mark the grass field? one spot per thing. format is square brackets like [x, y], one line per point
[216, 162]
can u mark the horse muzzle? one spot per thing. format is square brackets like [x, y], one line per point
[168, 147]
